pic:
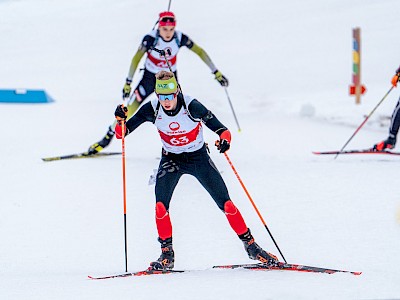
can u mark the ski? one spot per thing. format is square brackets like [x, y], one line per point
[80, 155]
[254, 267]
[285, 267]
[139, 273]
[365, 151]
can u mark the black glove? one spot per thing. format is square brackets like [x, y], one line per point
[223, 146]
[224, 142]
[221, 78]
[121, 113]
[126, 91]
[389, 143]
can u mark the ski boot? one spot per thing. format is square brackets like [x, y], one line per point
[166, 259]
[389, 143]
[99, 146]
[254, 251]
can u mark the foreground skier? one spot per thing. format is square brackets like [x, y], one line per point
[179, 119]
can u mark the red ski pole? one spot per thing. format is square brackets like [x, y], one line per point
[124, 193]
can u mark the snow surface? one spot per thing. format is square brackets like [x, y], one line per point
[289, 64]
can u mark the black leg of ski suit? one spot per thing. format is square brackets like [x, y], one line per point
[197, 163]
[395, 122]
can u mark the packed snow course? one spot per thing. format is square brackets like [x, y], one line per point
[289, 64]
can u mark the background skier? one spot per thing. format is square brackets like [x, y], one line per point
[164, 38]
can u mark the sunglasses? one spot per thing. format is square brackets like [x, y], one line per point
[168, 97]
[167, 19]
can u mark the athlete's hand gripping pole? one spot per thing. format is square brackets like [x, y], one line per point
[252, 202]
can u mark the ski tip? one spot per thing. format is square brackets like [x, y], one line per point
[326, 152]
[49, 158]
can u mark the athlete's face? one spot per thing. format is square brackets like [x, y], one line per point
[168, 104]
[167, 32]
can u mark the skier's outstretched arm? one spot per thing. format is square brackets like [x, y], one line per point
[186, 41]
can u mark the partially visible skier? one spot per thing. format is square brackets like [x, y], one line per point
[390, 142]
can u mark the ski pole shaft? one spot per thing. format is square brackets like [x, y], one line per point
[365, 121]
[254, 205]
[233, 111]
[124, 193]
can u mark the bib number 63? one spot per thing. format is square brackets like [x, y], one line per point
[183, 140]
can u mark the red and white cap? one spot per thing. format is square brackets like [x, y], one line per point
[167, 18]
